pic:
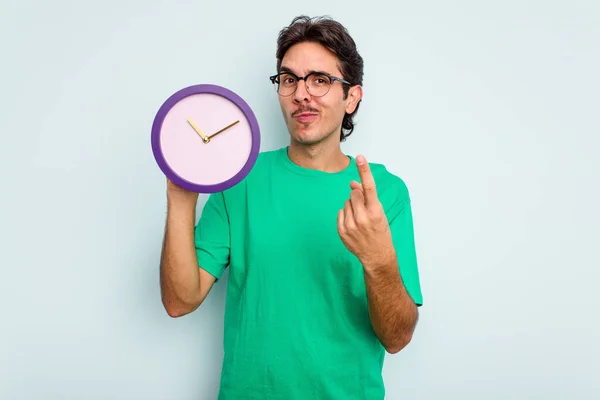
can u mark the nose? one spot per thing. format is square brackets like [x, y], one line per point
[301, 93]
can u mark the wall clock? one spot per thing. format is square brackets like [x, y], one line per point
[205, 138]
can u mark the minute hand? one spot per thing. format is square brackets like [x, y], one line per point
[224, 129]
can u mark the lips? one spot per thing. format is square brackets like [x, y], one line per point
[306, 117]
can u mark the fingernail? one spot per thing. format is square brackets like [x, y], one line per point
[360, 160]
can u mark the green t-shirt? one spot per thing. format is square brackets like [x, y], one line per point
[297, 325]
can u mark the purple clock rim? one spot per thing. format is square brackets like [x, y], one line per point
[203, 89]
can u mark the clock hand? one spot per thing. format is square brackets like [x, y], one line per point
[227, 127]
[204, 138]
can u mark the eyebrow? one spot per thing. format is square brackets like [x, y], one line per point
[286, 69]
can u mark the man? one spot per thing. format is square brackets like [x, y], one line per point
[323, 275]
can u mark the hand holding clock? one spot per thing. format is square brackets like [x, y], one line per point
[178, 196]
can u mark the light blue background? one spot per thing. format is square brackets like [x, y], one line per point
[488, 110]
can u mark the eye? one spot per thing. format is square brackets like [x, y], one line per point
[287, 79]
[319, 80]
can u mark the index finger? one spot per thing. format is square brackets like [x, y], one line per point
[366, 178]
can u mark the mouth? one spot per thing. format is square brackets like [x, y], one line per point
[306, 117]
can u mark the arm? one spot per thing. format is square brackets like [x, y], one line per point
[184, 285]
[386, 251]
[392, 311]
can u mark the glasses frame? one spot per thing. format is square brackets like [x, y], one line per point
[332, 79]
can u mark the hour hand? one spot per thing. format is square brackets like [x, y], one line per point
[204, 138]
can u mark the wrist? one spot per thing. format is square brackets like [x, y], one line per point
[382, 259]
[179, 199]
[181, 206]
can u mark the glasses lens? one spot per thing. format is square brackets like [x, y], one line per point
[318, 85]
[287, 84]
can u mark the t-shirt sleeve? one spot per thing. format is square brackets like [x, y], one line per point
[400, 219]
[211, 236]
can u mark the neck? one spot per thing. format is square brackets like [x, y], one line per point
[323, 156]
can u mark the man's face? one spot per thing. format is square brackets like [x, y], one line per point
[311, 119]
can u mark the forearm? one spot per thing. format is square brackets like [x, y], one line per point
[179, 272]
[392, 311]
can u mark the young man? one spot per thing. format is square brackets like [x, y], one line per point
[323, 275]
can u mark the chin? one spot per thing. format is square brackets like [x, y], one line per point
[308, 137]
[307, 133]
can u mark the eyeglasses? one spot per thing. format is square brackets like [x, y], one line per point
[318, 84]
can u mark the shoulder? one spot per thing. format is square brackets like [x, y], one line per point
[392, 190]
[264, 162]
[266, 158]
[390, 185]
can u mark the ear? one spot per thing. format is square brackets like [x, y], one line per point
[354, 96]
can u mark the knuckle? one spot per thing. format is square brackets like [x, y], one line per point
[375, 216]
[362, 220]
[350, 224]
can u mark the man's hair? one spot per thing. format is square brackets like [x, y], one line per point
[335, 37]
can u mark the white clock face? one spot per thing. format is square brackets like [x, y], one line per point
[206, 139]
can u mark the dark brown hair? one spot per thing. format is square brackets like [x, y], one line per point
[334, 36]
